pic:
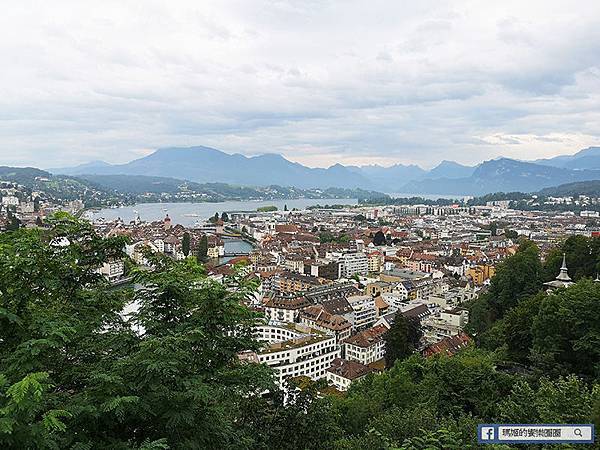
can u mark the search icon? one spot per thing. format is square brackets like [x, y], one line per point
[577, 432]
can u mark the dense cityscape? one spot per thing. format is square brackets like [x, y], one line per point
[336, 278]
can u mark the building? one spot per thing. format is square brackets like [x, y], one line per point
[317, 317]
[343, 373]
[364, 312]
[481, 273]
[113, 270]
[285, 308]
[562, 279]
[375, 262]
[292, 282]
[294, 350]
[444, 324]
[327, 269]
[453, 296]
[366, 347]
[378, 287]
[10, 200]
[448, 346]
[294, 263]
[353, 264]
[417, 289]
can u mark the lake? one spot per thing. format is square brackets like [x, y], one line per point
[187, 214]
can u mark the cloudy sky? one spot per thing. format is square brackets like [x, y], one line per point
[356, 82]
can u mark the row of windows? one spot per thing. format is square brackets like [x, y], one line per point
[325, 360]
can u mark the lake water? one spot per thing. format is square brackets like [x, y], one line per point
[187, 214]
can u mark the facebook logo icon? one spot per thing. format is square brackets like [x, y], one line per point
[487, 434]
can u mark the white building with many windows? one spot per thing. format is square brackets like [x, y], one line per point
[352, 264]
[364, 311]
[294, 350]
[285, 308]
[366, 347]
[113, 269]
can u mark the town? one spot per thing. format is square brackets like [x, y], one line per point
[332, 281]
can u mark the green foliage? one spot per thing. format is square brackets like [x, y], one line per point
[327, 237]
[555, 334]
[440, 439]
[565, 400]
[402, 339]
[582, 257]
[267, 209]
[186, 243]
[518, 277]
[84, 365]
[202, 251]
[77, 373]
[379, 238]
[566, 331]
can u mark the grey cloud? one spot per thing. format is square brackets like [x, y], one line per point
[317, 81]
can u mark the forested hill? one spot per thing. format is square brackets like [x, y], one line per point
[591, 188]
[58, 187]
[97, 190]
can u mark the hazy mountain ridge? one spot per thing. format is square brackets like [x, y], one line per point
[208, 165]
[588, 158]
[503, 175]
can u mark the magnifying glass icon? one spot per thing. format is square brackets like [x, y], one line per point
[577, 432]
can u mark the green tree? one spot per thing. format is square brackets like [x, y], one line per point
[186, 243]
[517, 277]
[402, 339]
[77, 373]
[202, 252]
[564, 400]
[13, 222]
[582, 257]
[566, 331]
[267, 209]
[379, 238]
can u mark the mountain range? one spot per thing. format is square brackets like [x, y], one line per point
[208, 165]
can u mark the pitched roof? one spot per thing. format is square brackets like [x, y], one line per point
[337, 305]
[418, 311]
[287, 302]
[448, 346]
[368, 337]
[350, 370]
[318, 315]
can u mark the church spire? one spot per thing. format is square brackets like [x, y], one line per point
[564, 272]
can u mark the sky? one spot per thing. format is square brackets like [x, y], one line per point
[318, 81]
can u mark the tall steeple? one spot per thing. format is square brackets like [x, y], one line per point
[564, 272]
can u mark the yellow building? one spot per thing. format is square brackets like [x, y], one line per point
[481, 273]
